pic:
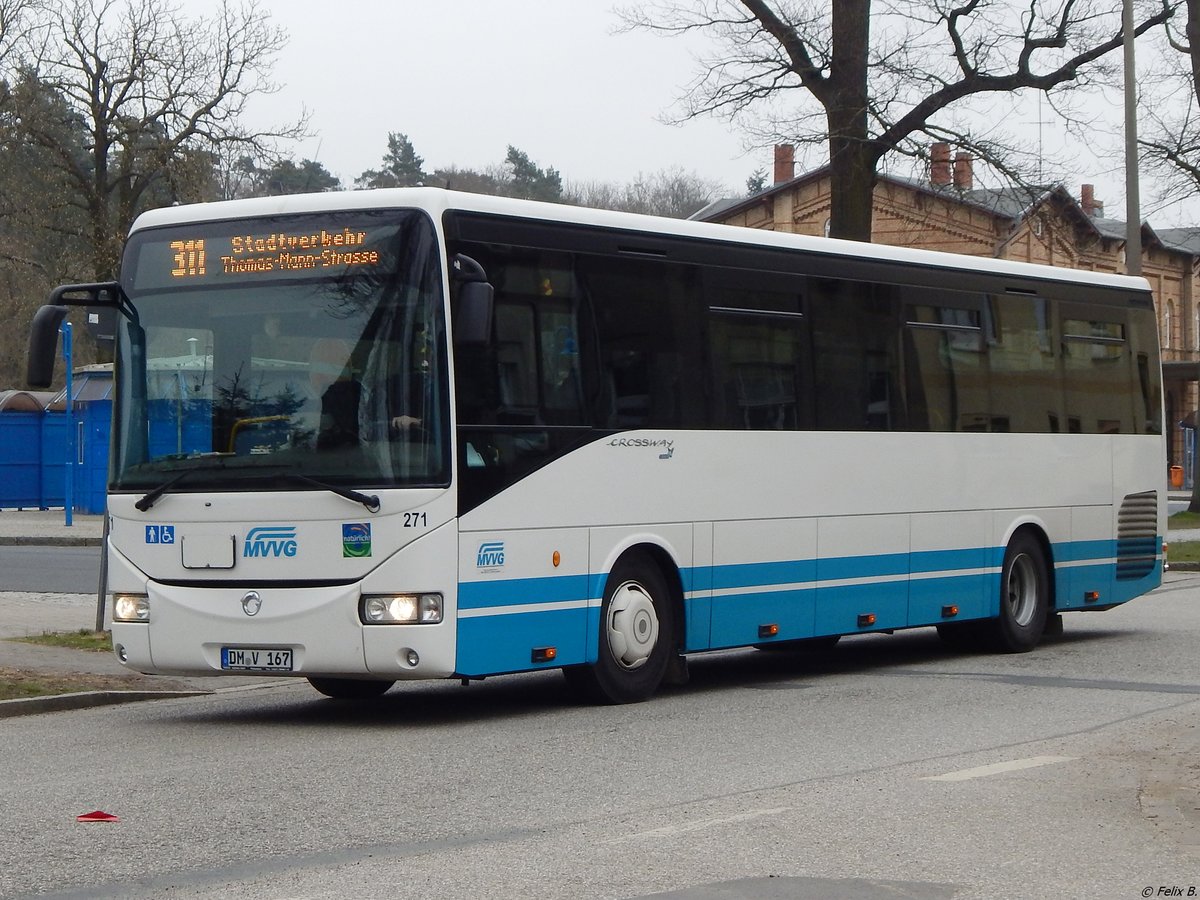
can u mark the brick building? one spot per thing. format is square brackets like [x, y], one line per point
[1044, 225]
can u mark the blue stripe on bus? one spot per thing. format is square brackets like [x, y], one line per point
[1079, 551]
[754, 574]
[490, 645]
[794, 594]
[921, 561]
[518, 591]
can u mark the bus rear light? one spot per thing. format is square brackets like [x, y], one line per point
[401, 609]
[765, 631]
[866, 620]
[131, 608]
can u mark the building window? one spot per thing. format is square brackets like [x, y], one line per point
[1168, 319]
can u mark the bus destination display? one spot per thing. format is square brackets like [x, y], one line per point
[275, 252]
[208, 256]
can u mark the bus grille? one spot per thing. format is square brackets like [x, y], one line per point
[1137, 536]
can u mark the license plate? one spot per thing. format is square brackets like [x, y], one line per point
[256, 659]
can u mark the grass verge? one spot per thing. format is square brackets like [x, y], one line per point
[1184, 519]
[20, 684]
[83, 639]
[1183, 552]
[23, 682]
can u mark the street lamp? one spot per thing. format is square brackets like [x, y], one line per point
[1133, 213]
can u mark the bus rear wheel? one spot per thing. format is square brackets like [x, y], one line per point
[637, 635]
[350, 688]
[1024, 597]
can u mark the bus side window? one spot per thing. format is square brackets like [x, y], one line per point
[516, 362]
[855, 356]
[755, 369]
[946, 369]
[1098, 372]
[1026, 389]
[649, 342]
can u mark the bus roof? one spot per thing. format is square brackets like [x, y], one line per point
[438, 200]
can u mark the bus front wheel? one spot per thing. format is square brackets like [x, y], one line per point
[350, 688]
[1024, 596]
[637, 635]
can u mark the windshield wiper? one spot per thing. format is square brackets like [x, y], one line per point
[152, 497]
[370, 501]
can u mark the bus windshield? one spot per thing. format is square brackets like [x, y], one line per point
[268, 349]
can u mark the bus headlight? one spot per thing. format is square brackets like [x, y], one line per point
[401, 609]
[131, 608]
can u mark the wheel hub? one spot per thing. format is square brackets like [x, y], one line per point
[632, 625]
[1022, 590]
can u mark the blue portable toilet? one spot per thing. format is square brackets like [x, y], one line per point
[92, 388]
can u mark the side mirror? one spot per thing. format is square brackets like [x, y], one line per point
[43, 345]
[473, 311]
[472, 314]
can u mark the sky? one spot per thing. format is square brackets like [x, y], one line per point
[463, 79]
[466, 78]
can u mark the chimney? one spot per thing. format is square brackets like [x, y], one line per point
[939, 165]
[964, 174]
[785, 163]
[1092, 208]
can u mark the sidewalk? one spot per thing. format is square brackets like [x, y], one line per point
[25, 614]
[47, 527]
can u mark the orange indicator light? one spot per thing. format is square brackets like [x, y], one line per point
[866, 620]
[544, 654]
[1091, 596]
[556, 558]
[949, 612]
[768, 630]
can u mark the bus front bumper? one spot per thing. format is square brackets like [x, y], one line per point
[283, 631]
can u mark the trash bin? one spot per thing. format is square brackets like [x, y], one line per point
[1176, 477]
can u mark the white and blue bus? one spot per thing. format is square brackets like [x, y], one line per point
[425, 434]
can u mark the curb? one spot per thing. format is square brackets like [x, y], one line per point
[55, 541]
[28, 706]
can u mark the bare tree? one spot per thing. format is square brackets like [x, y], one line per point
[671, 192]
[14, 17]
[1169, 114]
[862, 80]
[157, 92]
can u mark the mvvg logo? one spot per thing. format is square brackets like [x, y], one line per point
[270, 540]
[490, 555]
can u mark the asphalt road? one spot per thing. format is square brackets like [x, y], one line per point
[892, 768]
[52, 570]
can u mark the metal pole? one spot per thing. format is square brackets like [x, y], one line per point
[1133, 211]
[69, 487]
[102, 588]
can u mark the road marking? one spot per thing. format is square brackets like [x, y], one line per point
[1013, 765]
[699, 825]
